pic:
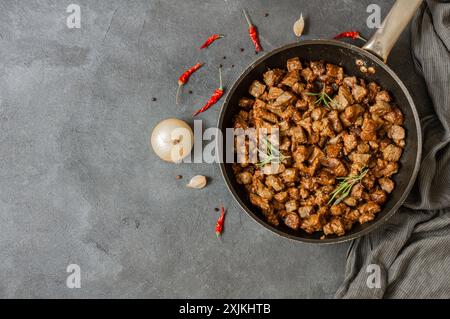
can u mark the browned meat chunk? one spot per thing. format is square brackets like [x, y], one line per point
[351, 114]
[258, 105]
[360, 158]
[291, 206]
[285, 143]
[392, 153]
[294, 64]
[272, 77]
[244, 178]
[261, 113]
[350, 81]
[378, 196]
[273, 169]
[386, 184]
[350, 142]
[357, 191]
[259, 201]
[396, 132]
[316, 153]
[303, 193]
[312, 223]
[305, 211]
[336, 123]
[333, 150]
[246, 103]
[289, 175]
[383, 96]
[257, 89]
[318, 67]
[369, 130]
[390, 169]
[373, 90]
[281, 197]
[271, 217]
[366, 218]
[352, 216]
[369, 208]
[339, 209]
[275, 182]
[284, 99]
[298, 135]
[335, 72]
[368, 181]
[363, 148]
[300, 154]
[294, 193]
[263, 191]
[308, 75]
[395, 116]
[292, 221]
[335, 226]
[326, 178]
[350, 201]
[290, 79]
[344, 98]
[380, 108]
[335, 165]
[367, 211]
[274, 93]
[298, 88]
[359, 93]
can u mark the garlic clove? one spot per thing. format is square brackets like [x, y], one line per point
[299, 25]
[197, 182]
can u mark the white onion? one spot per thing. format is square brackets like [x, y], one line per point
[172, 140]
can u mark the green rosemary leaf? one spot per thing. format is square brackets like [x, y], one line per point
[272, 155]
[345, 186]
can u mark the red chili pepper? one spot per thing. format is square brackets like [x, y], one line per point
[253, 32]
[210, 40]
[350, 34]
[214, 98]
[182, 80]
[220, 222]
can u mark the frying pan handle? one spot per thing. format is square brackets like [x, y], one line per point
[393, 25]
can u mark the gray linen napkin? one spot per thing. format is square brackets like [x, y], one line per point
[413, 248]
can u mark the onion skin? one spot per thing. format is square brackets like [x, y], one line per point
[172, 140]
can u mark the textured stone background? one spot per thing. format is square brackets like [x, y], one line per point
[78, 183]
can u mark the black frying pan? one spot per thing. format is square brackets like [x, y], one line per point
[374, 53]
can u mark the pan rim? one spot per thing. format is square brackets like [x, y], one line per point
[377, 222]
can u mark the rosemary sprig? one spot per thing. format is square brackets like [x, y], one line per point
[322, 98]
[272, 155]
[344, 187]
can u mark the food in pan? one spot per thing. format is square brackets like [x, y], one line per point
[340, 141]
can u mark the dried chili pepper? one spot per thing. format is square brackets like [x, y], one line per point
[253, 32]
[220, 222]
[210, 40]
[182, 80]
[214, 98]
[350, 34]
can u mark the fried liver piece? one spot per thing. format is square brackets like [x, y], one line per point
[356, 127]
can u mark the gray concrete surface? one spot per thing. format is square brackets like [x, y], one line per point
[78, 182]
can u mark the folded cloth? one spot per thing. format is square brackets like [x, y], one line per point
[412, 250]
